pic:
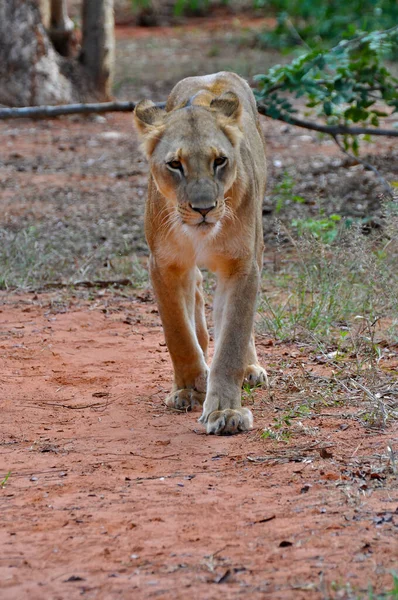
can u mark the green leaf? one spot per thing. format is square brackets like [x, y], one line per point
[327, 108]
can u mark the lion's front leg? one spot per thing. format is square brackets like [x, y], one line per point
[234, 314]
[175, 290]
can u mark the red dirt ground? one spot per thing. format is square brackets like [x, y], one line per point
[231, 22]
[111, 495]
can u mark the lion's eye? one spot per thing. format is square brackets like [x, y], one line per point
[175, 164]
[220, 161]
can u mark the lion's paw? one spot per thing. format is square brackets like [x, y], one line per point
[185, 399]
[228, 421]
[256, 376]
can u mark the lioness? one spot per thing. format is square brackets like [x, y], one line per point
[206, 185]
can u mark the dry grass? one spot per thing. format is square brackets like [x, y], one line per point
[338, 302]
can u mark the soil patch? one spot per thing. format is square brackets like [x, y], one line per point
[111, 495]
[104, 492]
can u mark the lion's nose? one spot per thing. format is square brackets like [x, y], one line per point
[203, 210]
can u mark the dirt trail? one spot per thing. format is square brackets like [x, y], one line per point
[111, 495]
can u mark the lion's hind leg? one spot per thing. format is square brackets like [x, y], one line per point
[185, 399]
[255, 374]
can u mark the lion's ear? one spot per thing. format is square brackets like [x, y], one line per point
[229, 110]
[148, 116]
[228, 105]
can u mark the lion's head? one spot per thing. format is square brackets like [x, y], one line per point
[193, 153]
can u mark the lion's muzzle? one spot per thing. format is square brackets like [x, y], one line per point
[203, 210]
[202, 195]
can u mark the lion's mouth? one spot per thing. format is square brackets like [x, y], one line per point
[204, 225]
[204, 229]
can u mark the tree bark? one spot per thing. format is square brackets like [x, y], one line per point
[45, 12]
[60, 28]
[30, 69]
[97, 53]
[33, 73]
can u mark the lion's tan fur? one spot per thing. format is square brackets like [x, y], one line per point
[207, 119]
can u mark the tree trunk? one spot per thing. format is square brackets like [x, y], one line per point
[45, 12]
[30, 69]
[97, 53]
[32, 72]
[61, 28]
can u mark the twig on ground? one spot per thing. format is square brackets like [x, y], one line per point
[375, 398]
[78, 406]
[392, 457]
[155, 457]
[101, 283]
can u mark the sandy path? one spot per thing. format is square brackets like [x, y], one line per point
[113, 496]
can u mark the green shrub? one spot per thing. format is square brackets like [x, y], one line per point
[322, 24]
[346, 85]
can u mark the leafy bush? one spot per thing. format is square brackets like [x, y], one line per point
[321, 24]
[179, 7]
[345, 85]
[325, 229]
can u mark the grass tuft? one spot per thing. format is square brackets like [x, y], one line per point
[338, 297]
[331, 281]
[33, 256]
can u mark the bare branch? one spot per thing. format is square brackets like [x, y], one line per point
[332, 130]
[48, 112]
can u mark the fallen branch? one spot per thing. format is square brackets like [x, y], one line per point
[76, 407]
[49, 112]
[97, 283]
[332, 130]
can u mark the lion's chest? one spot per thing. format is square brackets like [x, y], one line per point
[194, 248]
